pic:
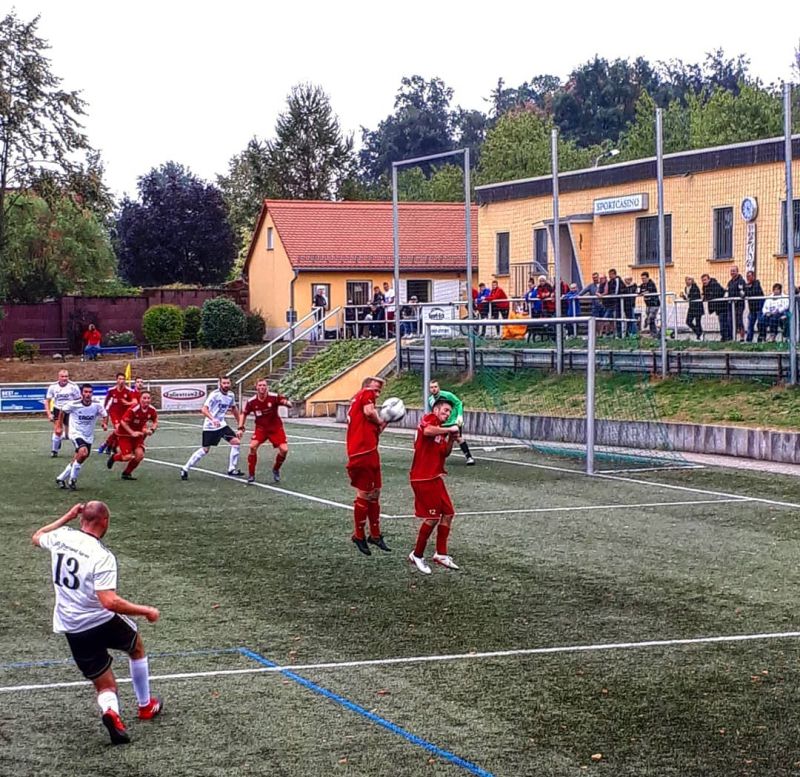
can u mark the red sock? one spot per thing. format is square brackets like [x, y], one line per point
[252, 458]
[279, 459]
[360, 508]
[425, 530]
[132, 464]
[374, 515]
[441, 539]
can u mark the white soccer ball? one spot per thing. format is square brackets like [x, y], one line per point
[392, 410]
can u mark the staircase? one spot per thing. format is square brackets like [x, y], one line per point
[309, 352]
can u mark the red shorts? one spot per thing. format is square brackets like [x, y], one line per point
[365, 471]
[276, 436]
[431, 499]
[127, 445]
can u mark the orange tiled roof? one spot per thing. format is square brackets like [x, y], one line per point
[321, 235]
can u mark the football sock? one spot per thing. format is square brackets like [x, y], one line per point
[56, 442]
[65, 474]
[140, 677]
[132, 464]
[194, 458]
[464, 448]
[279, 459]
[425, 531]
[374, 516]
[76, 470]
[442, 533]
[108, 701]
[360, 511]
[252, 459]
[233, 458]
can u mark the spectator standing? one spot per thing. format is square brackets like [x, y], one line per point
[590, 289]
[482, 305]
[320, 306]
[775, 313]
[630, 290]
[694, 314]
[351, 319]
[752, 292]
[91, 339]
[389, 304]
[409, 318]
[614, 299]
[652, 303]
[573, 304]
[532, 302]
[736, 292]
[498, 303]
[713, 294]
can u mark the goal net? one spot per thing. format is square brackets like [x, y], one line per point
[589, 409]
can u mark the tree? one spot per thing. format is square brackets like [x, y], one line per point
[639, 139]
[518, 146]
[39, 121]
[539, 92]
[445, 184]
[53, 249]
[178, 231]
[310, 157]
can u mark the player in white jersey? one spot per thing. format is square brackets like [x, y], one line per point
[217, 405]
[83, 417]
[58, 394]
[92, 616]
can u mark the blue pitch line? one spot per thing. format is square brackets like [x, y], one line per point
[60, 661]
[371, 716]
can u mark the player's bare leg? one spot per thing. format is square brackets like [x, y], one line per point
[280, 457]
[70, 474]
[133, 461]
[441, 556]
[417, 556]
[149, 706]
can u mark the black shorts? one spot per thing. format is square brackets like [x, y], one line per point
[90, 648]
[81, 443]
[54, 416]
[211, 437]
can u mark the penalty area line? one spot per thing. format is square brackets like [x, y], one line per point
[447, 657]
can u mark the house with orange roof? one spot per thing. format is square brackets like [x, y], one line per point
[347, 249]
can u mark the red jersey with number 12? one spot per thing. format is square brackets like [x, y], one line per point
[362, 433]
[429, 452]
[137, 417]
[265, 411]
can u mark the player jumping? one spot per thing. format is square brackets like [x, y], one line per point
[83, 416]
[264, 406]
[456, 416]
[118, 399]
[432, 445]
[216, 406]
[364, 426]
[132, 433]
[58, 394]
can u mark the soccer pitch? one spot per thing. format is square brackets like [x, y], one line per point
[640, 624]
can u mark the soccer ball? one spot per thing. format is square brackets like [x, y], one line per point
[392, 410]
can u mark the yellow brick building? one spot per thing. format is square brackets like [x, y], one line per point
[724, 206]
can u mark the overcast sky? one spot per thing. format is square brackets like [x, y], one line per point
[192, 82]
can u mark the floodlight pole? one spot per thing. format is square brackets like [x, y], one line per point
[662, 238]
[426, 364]
[557, 251]
[396, 242]
[790, 246]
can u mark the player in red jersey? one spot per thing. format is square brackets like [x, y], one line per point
[137, 389]
[132, 433]
[432, 445]
[118, 399]
[269, 427]
[364, 427]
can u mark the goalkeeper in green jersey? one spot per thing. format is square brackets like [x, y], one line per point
[456, 416]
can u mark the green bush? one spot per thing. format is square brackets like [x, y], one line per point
[25, 350]
[192, 318]
[120, 338]
[223, 324]
[162, 325]
[256, 326]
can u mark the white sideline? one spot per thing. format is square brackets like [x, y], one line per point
[655, 643]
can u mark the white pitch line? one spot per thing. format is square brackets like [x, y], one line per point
[655, 643]
[581, 508]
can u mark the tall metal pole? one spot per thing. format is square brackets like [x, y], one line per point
[396, 248]
[590, 408]
[426, 364]
[468, 222]
[557, 252]
[790, 246]
[662, 239]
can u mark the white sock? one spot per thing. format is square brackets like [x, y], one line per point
[76, 470]
[65, 474]
[194, 458]
[140, 676]
[56, 442]
[108, 701]
[233, 459]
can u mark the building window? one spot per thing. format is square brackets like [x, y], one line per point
[796, 219]
[270, 239]
[540, 251]
[647, 240]
[325, 290]
[503, 244]
[723, 233]
[419, 289]
[358, 292]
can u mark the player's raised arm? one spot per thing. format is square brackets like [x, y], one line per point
[68, 516]
[112, 601]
